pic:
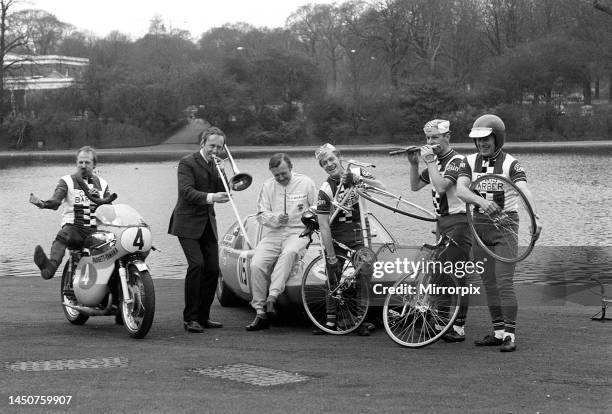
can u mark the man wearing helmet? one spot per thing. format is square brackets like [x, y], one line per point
[442, 171]
[489, 134]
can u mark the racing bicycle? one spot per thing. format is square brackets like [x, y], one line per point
[351, 295]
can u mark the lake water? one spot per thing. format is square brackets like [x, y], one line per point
[573, 193]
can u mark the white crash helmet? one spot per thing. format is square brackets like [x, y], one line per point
[490, 124]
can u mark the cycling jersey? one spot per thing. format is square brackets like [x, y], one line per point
[503, 164]
[447, 203]
[346, 227]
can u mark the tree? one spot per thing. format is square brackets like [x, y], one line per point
[385, 29]
[320, 26]
[43, 29]
[12, 39]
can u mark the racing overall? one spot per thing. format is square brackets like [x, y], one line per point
[281, 247]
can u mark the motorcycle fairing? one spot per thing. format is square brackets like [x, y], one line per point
[90, 282]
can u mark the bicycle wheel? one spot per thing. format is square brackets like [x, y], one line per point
[395, 203]
[507, 236]
[350, 298]
[419, 310]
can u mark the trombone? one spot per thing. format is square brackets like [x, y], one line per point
[240, 181]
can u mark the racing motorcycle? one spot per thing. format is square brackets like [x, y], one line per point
[109, 276]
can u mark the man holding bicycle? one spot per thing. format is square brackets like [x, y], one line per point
[442, 168]
[346, 226]
[489, 133]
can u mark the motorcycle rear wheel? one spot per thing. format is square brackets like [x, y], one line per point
[138, 315]
[74, 316]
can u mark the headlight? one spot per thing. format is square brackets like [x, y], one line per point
[100, 242]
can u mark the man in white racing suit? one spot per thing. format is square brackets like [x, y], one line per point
[281, 202]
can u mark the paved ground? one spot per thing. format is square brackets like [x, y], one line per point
[562, 365]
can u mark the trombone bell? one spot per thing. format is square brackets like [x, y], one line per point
[240, 181]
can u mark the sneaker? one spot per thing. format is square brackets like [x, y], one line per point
[489, 340]
[508, 345]
[453, 336]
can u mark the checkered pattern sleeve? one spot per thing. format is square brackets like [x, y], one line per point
[517, 173]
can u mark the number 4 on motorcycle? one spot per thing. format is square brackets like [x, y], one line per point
[138, 240]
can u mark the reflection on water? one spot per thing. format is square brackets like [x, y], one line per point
[573, 199]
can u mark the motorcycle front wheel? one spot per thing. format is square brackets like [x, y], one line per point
[138, 310]
[67, 296]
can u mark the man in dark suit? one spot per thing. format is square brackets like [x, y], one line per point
[193, 222]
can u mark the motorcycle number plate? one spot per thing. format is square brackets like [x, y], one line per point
[136, 239]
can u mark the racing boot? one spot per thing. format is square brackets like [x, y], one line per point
[47, 267]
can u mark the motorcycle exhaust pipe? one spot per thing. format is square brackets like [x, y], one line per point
[86, 310]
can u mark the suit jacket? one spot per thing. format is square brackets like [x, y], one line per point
[195, 180]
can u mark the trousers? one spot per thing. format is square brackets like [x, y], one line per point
[202, 274]
[272, 264]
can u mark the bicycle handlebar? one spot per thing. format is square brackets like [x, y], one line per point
[360, 164]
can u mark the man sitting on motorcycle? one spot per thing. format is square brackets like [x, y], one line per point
[77, 194]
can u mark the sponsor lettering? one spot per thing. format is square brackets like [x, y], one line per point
[490, 185]
[452, 167]
[105, 256]
[296, 197]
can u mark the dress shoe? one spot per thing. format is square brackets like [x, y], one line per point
[508, 345]
[47, 270]
[259, 323]
[271, 309]
[489, 340]
[193, 326]
[453, 336]
[211, 324]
